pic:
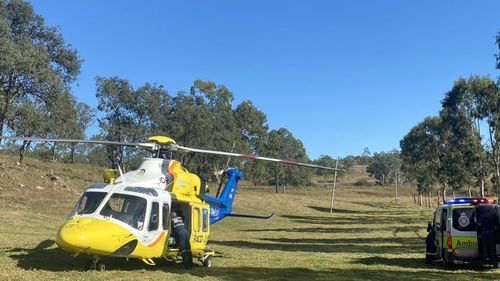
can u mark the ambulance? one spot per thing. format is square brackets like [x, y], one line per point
[466, 231]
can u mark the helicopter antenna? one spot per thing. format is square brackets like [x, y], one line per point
[229, 157]
[121, 174]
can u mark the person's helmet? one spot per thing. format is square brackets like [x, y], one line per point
[174, 214]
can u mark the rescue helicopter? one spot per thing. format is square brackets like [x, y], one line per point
[128, 215]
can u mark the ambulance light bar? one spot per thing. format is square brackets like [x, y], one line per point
[473, 201]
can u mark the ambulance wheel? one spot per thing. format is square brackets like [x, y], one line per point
[207, 262]
[100, 266]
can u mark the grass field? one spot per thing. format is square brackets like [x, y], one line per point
[369, 236]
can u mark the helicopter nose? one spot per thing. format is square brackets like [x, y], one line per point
[92, 236]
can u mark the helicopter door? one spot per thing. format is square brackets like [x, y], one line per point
[153, 232]
[199, 227]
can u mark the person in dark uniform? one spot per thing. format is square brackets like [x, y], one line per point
[181, 237]
[430, 247]
[487, 227]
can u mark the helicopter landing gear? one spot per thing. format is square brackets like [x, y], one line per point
[97, 265]
[206, 261]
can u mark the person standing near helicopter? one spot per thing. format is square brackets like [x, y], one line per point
[181, 237]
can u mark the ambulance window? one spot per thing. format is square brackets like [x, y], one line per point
[444, 219]
[437, 217]
[464, 219]
[205, 221]
[153, 220]
[89, 202]
[166, 216]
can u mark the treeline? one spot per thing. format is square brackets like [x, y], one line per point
[458, 150]
[38, 68]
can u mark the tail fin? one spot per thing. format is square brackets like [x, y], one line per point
[222, 205]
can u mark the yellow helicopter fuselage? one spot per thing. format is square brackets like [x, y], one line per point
[130, 216]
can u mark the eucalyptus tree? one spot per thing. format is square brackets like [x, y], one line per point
[253, 127]
[468, 107]
[423, 151]
[35, 61]
[282, 144]
[129, 115]
[385, 167]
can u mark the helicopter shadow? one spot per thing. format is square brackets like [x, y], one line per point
[47, 257]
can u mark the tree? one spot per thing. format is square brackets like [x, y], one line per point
[282, 144]
[471, 105]
[422, 153]
[36, 62]
[385, 167]
[253, 127]
[327, 161]
[129, 115]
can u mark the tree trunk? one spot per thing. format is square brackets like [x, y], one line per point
[22, 150]
[482, 188]
[443, 193]
[2, 121]
[420, 200]
[54, 153]
[73, 150]
[396, 186]
[470, 194]
[276, 182]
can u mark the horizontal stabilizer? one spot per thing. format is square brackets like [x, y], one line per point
[251, 216]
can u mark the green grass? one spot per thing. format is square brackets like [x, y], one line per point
[369, 236]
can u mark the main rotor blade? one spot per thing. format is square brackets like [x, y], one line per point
[152, 146]
[249, 156]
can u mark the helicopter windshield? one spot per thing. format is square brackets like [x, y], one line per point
[129, 209]
[89, 202]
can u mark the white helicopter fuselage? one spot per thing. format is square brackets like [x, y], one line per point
[129, 217]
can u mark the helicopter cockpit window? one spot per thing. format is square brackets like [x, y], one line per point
[126, 208]
[89, 202]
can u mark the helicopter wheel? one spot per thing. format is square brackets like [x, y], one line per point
[207, 262]
[96, 265]
[100, 266]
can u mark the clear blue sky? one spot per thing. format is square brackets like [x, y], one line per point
[340, 75]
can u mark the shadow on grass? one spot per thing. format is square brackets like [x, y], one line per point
[45, 257]
[346, 230]
[354, 220]
[400, 262]
[417, 263]
[379, 210]
[297, 273]
[328, 247]
[404, 241]
[335, 211]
